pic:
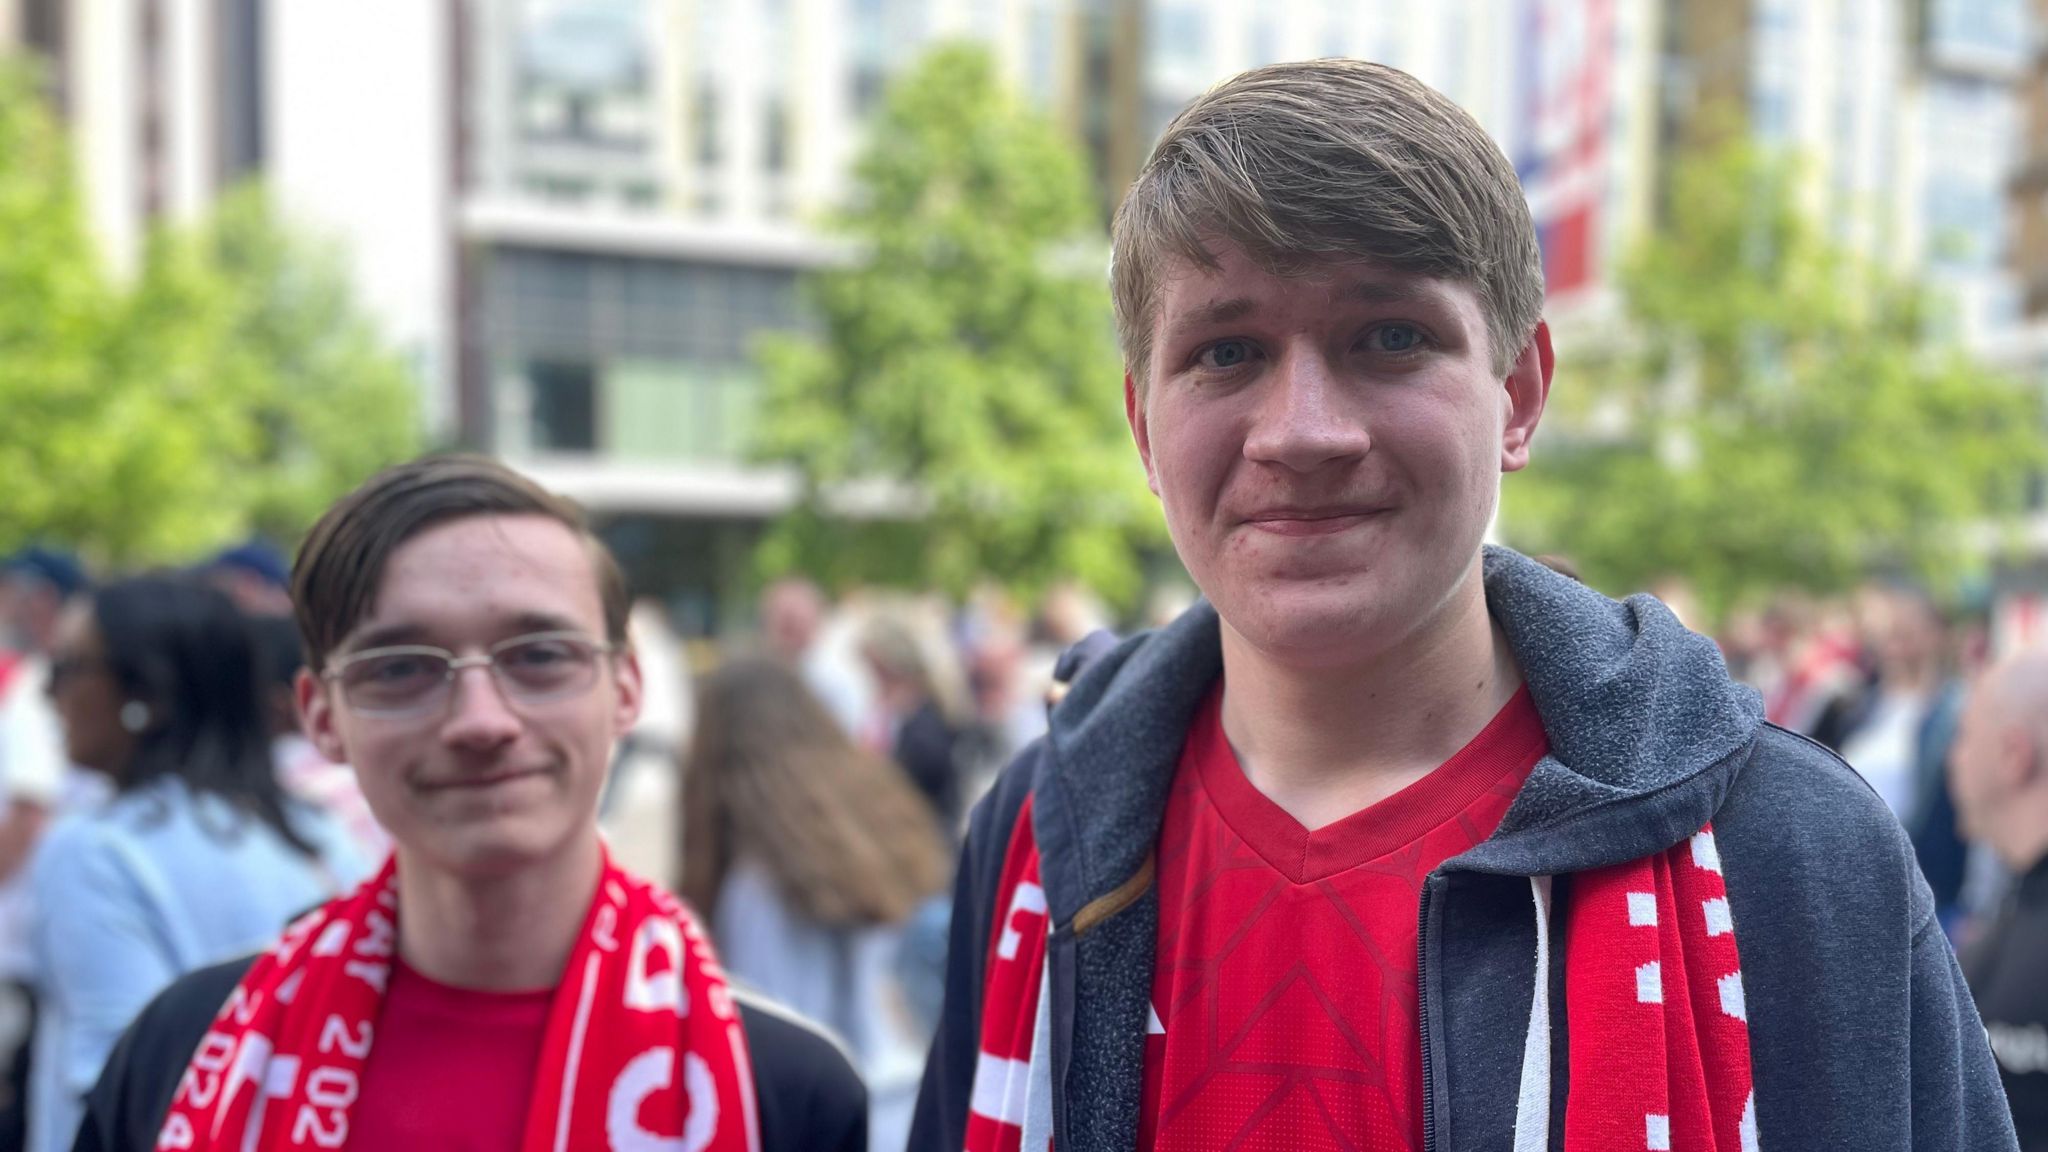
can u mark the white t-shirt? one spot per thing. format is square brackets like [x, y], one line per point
[1884, 750]
[32, 768]
[31, 742]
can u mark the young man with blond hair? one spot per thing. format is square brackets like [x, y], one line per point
[1398, 841]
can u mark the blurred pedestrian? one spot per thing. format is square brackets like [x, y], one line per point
[36, 783]
[500, 984]
[199, 855]
[642, 798]
[255, 575]
[1897, 729]
[799, 628]
[304, 772]
[1803, 658]
[808, 854]
[919, 717]
[1008, 714]
[1999, 774]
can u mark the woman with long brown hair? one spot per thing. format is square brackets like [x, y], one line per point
[807, 854]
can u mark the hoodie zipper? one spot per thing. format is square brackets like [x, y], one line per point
[1422, 1015]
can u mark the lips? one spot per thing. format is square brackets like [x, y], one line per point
[1311, 521]
[481, 780]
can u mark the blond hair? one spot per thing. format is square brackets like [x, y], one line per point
[1329, 160]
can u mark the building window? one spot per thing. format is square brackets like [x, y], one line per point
[704, 128]
[775, 136]
[583, 76]
[868, 52]
[564, 406]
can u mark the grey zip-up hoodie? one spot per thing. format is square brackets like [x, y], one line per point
[1862, 1033]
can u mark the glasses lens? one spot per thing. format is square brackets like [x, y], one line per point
[543, 667]
[395, 682]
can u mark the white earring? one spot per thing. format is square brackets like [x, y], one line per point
[135, 716]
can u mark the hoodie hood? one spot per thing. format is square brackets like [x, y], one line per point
[1646, 734]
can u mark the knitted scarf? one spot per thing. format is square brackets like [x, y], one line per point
[1659, 1039]
[643, 1047]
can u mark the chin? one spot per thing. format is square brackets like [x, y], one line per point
[1316, 626]
[497, 848]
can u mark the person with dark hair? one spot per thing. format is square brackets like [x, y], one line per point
[501, 984]
[920, 725]
[200, 854]
[808, 854]
[303, 771]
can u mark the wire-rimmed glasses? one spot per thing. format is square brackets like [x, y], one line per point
[411, 680]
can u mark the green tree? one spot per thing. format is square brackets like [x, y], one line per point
[1772, 413]
[330, 403]
[52, 306]
[964, 357]
[233, 386]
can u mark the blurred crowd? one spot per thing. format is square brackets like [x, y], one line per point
[1882, 677]
[804, 787]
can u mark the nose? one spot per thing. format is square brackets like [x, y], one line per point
[1307, 416]
[478, 719]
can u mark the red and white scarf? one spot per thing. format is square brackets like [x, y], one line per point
[643, 1048]
[1659, 1038]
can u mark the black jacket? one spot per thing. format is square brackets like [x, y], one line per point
[810, 1098]
[2008, 971]
[1862, 1033]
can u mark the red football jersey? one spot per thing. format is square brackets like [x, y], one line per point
[452, 1068]
[1284, 991]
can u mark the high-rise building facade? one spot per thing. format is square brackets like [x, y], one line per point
[1903, 118]
[578, 217]
[2028, 189]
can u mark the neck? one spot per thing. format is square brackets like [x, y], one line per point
[501, 933]
[2023, 841]
[1323, 743]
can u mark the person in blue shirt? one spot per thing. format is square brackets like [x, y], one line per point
[198, 856]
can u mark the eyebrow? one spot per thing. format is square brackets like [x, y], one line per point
[391, 635]
[1382, 292]
[1234, 308]
[383, 637]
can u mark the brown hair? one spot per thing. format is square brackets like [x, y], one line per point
[770, 775]
[341, 564]
[1329, 160]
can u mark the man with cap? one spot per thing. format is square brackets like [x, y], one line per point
[255, 575]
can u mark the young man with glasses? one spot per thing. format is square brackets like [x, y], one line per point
[501, 985]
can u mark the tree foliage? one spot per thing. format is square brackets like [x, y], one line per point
[963, 356]
[1773, 412]
[231, 387]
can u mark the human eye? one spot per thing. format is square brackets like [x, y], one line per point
[1226, 355]
[544, 658]
[540, 653]
[384, 677]
[1396, 338]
